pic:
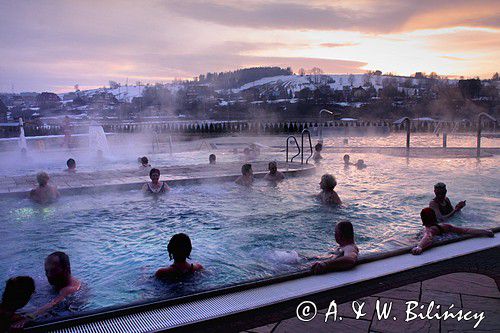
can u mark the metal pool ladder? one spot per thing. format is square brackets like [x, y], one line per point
[301, 148]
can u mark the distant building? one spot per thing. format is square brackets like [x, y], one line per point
[47, 100]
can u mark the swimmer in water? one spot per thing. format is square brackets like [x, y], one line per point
[144, 163]
[442, 205]
[433, 228]
[360, 164]
[58, 272]
[212, 159]
[274, 175]
[347, 160]
[179, 249]
[44, 193]
[155, 186]
[17, 293]
[246, 178]
[328, 195]
[348, 251]
[317, 152]
[71, 165]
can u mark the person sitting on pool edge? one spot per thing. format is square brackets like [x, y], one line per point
[274, 175]
[328, 194]
[155, 186]
[179, 249]
[442, 205]
[211, 159]
[58, 273]
[17, 293]
[317, 152]
[432, 228]
[348, 251]
[44, 193]
[71, 163]
[246, 177]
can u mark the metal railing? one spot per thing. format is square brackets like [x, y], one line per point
[479, 129]
[296, 143]
[305, 131]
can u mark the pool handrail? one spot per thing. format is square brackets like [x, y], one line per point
[305, 131]
[479, 129]
[489, 264]
[296, 143]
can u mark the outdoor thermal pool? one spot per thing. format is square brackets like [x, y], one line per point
[117, 240]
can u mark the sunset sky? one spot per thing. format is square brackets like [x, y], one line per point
[53, 45]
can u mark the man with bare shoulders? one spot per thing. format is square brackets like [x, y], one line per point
[348, 251]
[274, 175]
[58, 272]
[442, 205]
[44, 193]
[246, 178]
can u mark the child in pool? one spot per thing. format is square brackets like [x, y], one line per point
[179, 248]
[155, 186]
[432, 228]
[348, 251]
[328, 195]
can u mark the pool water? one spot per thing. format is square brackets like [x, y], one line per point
[116, 241]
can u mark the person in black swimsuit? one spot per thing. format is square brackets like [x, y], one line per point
[179, 248]
[442, 205]
[432, 228]
[155, 186]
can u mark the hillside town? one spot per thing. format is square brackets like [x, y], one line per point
[264, 93]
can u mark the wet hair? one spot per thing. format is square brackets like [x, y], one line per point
[144, 160]
[347, 157]
[154, 170]
[18, 291]
[329, 181]
[212, 158]
[71, 163]
[63, 259]
[428, 216]
[318, 147]
[179, 247]
[440, 186]
[245, 168]
[42, 178]
[346, 231]
[272, 163]
[360, 162]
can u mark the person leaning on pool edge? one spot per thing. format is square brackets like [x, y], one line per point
[348, 251]
[58, 272]
[442, 205]
[433, 228]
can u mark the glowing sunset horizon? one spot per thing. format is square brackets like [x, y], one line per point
[53, 45]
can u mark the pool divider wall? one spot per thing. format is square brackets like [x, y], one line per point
[482, 262]
[305, 169]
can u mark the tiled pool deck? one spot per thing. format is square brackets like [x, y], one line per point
[467, 291]
[78, 182]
